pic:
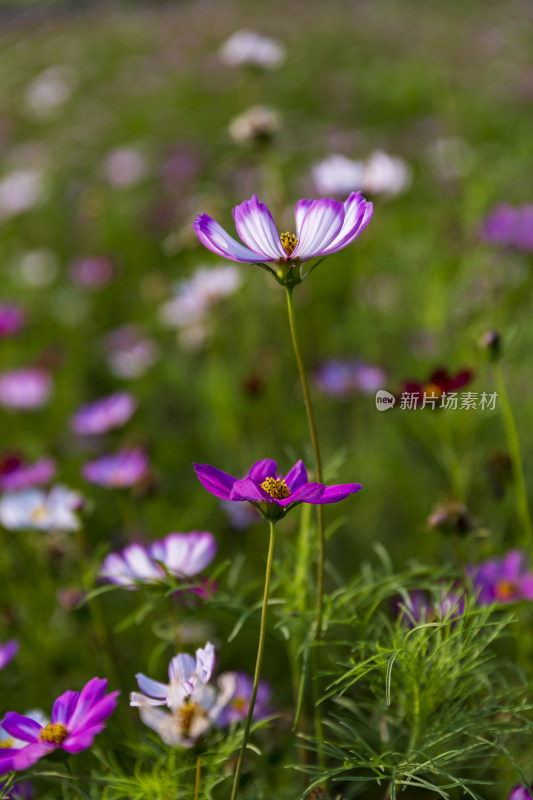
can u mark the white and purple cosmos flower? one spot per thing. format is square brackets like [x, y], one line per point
[322, 227]
[194, 706]
[76, 719]
[503, 580]
[104, 414]
[118, 470]
[8, 651]
[11, 320]
[273, 495]
[35, 509]
[25, 389]
[237, 708]
[15, 475]
[180, 554]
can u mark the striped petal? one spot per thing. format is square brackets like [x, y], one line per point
[257, 230]
[302, 207]
[320, 227]
[357, 215]
[214, 237]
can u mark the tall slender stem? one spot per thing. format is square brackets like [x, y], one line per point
[197, 781]
[513, 443]
[259, 659]
[318, 465]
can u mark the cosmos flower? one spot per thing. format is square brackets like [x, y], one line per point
[273, 495]
[118, 470]
[129, 353]
[49, 91]
[104, 414]
[521, 792]
[322, 227]
[182, 554]
[35, 509]
[25, 389]
[344, 378]
[8, 651]
[15, 475]
[502, 580]
[11, 320]
[237, 708]
[20, 191]
[91, 272]
[439, 383]
[250, 49]
[510, 226]
[256, 125]
[76, 719]
[124, 167]
[379, 174]
[194, 705]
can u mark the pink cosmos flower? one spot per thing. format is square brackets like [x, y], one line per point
[76, 719]
[503, 580]
[104, 414]
[15, 475]
[322, 227]
[92, 272]
[118, 470]
[25, 389]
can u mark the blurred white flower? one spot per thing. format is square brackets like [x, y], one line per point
[19, 191]
[129, 353]
[386, 174]
[189, 309]
[36, 268]
[35, 509]
[379, 174]
[256, 124]
[247, 48]
[451, 157]
[338, 175]
[49, 91]
[125, 167]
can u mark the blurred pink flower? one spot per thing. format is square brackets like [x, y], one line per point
[25, 389]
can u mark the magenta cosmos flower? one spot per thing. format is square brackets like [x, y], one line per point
[104, 414]
[11, 320]
[322, 227]
[273, 495]
[15, 475]
[503, 580]
[8, 651]
[521, 793]
[76, 719]
[118, 470]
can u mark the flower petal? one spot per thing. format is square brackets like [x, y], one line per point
[320, 227]
[138, 699]
[214, 480]
[257, 230]
[81, 740]
[27, 756]
[91, 694]
[182, 668]
[64, 707]
[333, 494]
[151, 687]
[21, 727]
[214, 237]
[205, 662]
[357, 215]
[308, 493]
[96, 714]
[263, 469]
[247, 489]
[301, 209]
[297, 476]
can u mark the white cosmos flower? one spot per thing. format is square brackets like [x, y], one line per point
[379, 174]
[20, 191]
[247, 48]
[35, 509]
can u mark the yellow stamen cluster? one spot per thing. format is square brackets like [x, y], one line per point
[505, 590]
[433, 389]
[289, 242]
[276, 488]
[7, 743]
[186, 714]
[54, 733]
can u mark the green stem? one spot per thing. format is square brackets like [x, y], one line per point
[318, 465]
[197, 781]
[259, 659]
[513, 443]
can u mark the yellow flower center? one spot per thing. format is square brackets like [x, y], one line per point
[505, 590]
[432, 388]
[289, 242]
[186, 714]
[55, 733]
[39, 514]
[7, 743]
[276, 488]
[240, 704]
